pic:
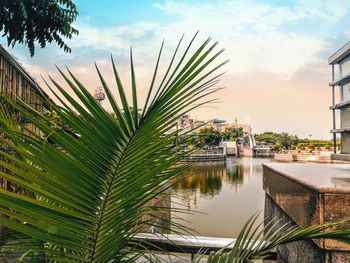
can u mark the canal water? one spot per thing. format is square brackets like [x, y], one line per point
[221, 196]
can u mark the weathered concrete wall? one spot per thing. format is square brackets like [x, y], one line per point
[245, 152]
[345, 142]
[284, 157]
[307, 194]
[301, 251]
[289, 157]
[296, 252]
[340, 158]
[345, 118]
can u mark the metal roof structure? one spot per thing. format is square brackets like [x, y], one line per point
[14, 62]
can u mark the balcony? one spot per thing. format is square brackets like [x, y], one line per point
[342, 105]
[341, 130]
[344, 79]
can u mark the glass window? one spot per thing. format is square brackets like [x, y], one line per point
[345, 65]
[336, 72]
[345, 92]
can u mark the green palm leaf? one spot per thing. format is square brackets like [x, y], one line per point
[89, 190]
[256, 242]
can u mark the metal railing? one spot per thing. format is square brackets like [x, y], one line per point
[187, 244]
[207, 155]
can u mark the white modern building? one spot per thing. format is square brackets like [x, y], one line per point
[340, 62]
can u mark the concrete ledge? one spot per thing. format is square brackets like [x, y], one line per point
[311, 194]
[340, 157]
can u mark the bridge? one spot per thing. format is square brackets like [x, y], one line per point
[253, 150]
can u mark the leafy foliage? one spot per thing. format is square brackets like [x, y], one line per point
[211, 137]
[287, 141]
[316, 144]
[232, 134]
[58, 124]
[278, 140]
[267, 137]
[42, 21]
[90, 192]
[256, 242]
[208, 137]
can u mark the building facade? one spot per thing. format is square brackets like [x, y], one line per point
[17, 84]
[221, 125]
[340, 62]
[247, 129]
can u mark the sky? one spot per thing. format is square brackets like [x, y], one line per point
[277, 78]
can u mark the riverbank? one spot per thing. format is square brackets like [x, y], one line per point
[318, 157]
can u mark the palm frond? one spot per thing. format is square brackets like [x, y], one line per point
[256, 242]
[90, 188]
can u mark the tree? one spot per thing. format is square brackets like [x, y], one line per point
[209, 137]
[278, 140]
[267, 137]
[232, 134]
[42, 21]
[287, 141]
[312, 144]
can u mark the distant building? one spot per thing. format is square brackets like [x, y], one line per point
[217, 124]
[99, 95]
[186, 123]
[340, 62]
[247, 129]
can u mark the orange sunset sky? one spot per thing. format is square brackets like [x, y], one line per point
[277, 78]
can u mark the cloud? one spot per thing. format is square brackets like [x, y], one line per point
[278, 54]
[258, 37]
[255, 34]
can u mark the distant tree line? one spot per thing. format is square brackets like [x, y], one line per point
[285, 141]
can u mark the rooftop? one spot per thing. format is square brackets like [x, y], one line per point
[340, 54]
[323, 178]
[14, 62]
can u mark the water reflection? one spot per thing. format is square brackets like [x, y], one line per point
[208, 178]
[157, 217]
[228, 193]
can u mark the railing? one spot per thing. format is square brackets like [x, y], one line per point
[207, 155]
[188, 244]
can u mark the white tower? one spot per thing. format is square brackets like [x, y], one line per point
[99, 95]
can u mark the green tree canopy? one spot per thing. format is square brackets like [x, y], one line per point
[232, 134]
[209, 137]
[286, 141]
[267, 137]
[42, 21]
[279, 140]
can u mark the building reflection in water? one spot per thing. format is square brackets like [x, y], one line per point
[207, 180]
[227, 194]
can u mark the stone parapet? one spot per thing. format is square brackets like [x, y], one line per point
[305, 194]
[340, 158]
